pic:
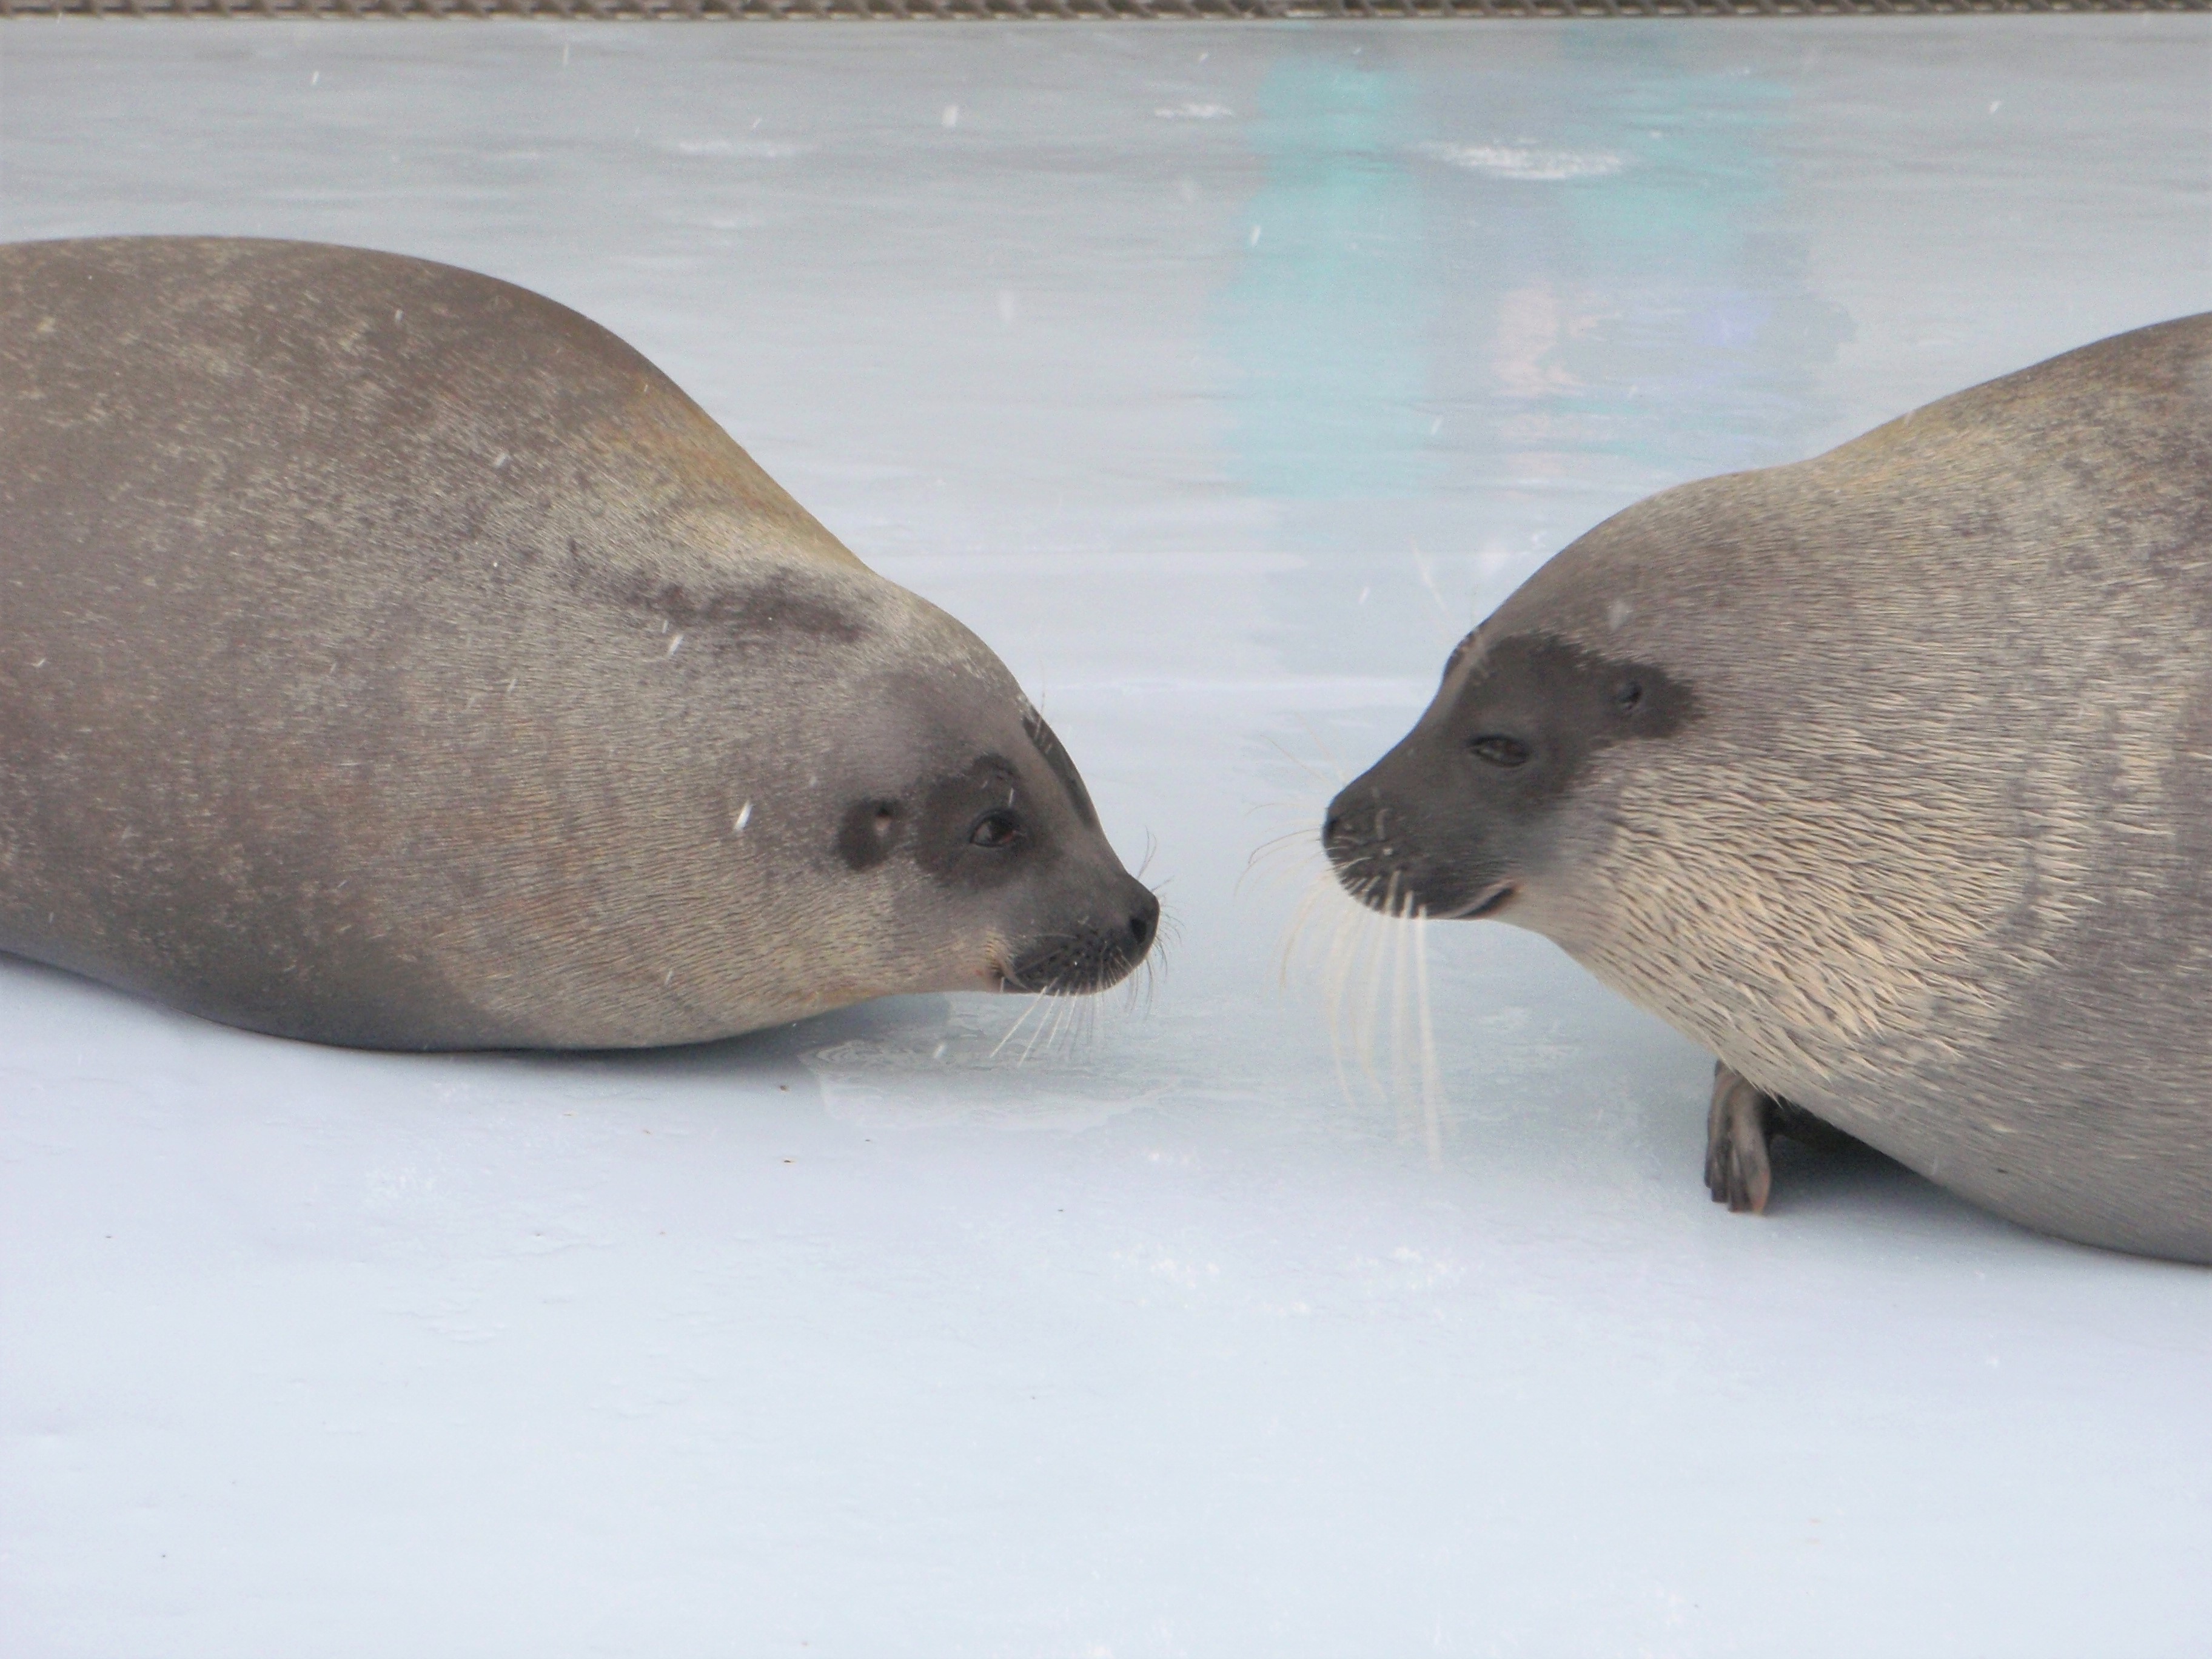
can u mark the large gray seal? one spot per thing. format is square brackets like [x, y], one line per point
[389, 656]
[1888, 777]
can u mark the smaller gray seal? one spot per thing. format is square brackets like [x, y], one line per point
[393, 657]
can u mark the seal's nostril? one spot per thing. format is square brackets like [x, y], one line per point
[1333, 827]
[1144, 916]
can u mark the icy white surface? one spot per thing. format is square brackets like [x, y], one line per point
[1219, 377]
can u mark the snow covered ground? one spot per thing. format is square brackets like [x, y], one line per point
[1219, 376]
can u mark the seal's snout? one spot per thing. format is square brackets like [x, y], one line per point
[1352, 834]
[1096, 951]
[1401, 844]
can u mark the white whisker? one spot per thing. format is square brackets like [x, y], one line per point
[1043, 1028]
[1317, 777]
[1356, 931]
[1015, 1026]
[1432, 1087]
[1453, 631]
[1327, 754]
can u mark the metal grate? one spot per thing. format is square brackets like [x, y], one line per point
[1082, 10]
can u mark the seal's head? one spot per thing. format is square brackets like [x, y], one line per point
[1684, 751]
[960, 822]
[1490, 804]
[912, 824]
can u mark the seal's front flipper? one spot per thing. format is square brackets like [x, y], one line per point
[1738, 1128]
[1740, 1131]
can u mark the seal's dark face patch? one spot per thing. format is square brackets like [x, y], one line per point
[1537, 708]
[975, 828]
[1019, 833]
[868, 832]
[1455, 817]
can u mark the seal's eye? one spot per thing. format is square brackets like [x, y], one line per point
[995, 830]
[1627, 697]
[1499, 750]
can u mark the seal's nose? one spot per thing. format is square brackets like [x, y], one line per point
[1143, 918]
[1348, 828]
[1091, 948]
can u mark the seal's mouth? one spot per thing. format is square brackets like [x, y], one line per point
[1393, 900]
[1089, 956]
[1080, 984]
[1489, 904]
[1069, 974]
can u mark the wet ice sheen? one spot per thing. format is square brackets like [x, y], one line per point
[1218, 377]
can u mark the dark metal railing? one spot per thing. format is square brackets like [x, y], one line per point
[1076, 10]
